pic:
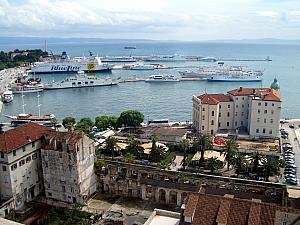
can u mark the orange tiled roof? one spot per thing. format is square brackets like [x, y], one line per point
[268, 94]
[210, 209]
[20, 136]
[214, 99]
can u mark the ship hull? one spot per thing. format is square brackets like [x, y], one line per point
[72, 71]
[234, 80]
[81, 86]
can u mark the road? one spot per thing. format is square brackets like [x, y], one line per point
[293, 133]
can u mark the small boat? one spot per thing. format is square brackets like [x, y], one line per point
[118, 59]
[45, 120]
[7, 96]
[130, 47]
[142, 67]
[161, 78]
[165, 58]
[80, 81]
[209, 59]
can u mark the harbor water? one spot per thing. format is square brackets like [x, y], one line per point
[160, 100]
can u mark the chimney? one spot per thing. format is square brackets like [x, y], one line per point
[228, 196]
[241, 88]
[256, 200]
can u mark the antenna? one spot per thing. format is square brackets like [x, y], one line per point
[39, 105]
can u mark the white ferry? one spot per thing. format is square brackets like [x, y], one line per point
[80, 81]
[161, 78]
[117, 59]
[165, 58]
[71, 65]
[238, 77]
[142, 67]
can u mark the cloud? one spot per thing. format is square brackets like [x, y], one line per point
[158, 19]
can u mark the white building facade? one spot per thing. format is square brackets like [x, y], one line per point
[68, 167]
[252, 110]
[20, 165]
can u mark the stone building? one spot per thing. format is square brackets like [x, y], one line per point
[255, 111]
[68, 166]
[20, 165]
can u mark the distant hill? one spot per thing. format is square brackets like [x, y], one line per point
[259, 41]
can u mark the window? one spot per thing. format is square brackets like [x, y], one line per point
[272, 112]
[23, 148]
[202, 127]
[243, 106]
[79, 83]
[13, 167]
[33, 144]
[243, 98]
[219, 124]
[203, 109]
[91, 82]
[236, 106]
[266, 111]
[257, 130]
[235, 123]
[236, 113]
[228, 106]
[86, 82]
[63, 188]
[266, 104]
[265, 120]
[49, 186]
[49, 194]
[228, 114]
[242, 123]
[271, 120]
[21, 163]
[264, 130]
[219, 114]
[258, 120]
[212, 132]
[227, 124]
[236, 98]
[220, 107]
[242, 113]
[14, 152]
[28, 159]
[72, 189]
[203, 117]
[259, 104]
[212, 113]
[4, 168]
[2, 155]
[270, 132]
[212, 122]
[273, 104]
[34, 156]
[258, 111]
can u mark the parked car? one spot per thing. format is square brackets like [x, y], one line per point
[291, 166]
[293, 181]
[291, 126]
[288, 171]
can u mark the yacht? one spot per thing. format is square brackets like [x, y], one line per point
[161, 78]
[7, 96]
[209, 59]
[46, 120]
[81, 80]
[130, 47]
[71, 65]
[142, 67]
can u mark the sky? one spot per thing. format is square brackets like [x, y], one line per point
[190, 20]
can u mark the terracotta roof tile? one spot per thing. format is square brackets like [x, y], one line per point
[191, 205]
[214, 99]
[20, 136]
[268, 94]
[223, 211]
[254, 214]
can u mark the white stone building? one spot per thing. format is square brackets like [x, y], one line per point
[20, 166]
[252, 110]
[68, 166]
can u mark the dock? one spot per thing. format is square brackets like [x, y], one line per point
[141, 79]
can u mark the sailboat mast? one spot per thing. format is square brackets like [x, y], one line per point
[23, 103]
[39, 105]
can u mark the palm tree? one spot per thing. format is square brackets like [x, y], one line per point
[134, 147]
[202, 144]
[111, 145]
[230, 150]
[213, 164]
[184, 145]
[270, 167]
[239, 161]
[256, 157]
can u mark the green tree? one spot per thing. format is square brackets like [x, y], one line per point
[184, 145]
[69, 123]
[239, 162]
[230, 150]
[202, 144]
[104, 122]
[130, 118]
[157, 152]
[213, 164]
[255, 157]
[134, 147]
[85, 125]
[271, 167]
[112, 145]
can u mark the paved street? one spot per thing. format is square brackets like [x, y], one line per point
[294, 133]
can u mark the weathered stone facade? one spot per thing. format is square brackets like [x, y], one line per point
[171, 187]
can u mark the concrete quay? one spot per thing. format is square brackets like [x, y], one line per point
[8, 76]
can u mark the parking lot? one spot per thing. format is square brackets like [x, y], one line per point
[291, 150]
